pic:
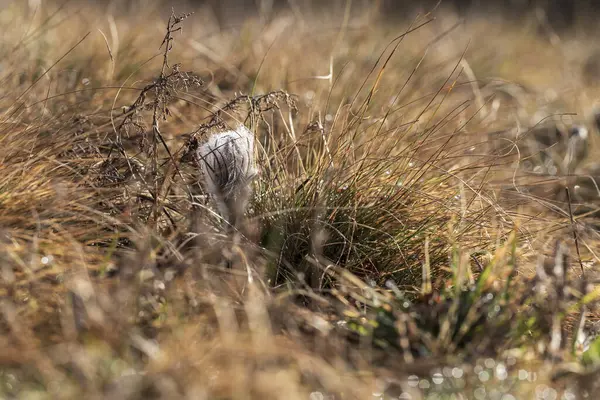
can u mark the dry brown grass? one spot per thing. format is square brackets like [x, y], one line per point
[380, 199]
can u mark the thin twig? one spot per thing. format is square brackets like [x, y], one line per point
[575, 237]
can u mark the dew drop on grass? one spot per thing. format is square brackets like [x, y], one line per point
[501, 372]
[457, 372]
[484, 376]
[568, 395]
[532, 377]
[523, 375]
[539, 391]
[549, 394]
[424, 384]
[413, 381]
[479, 393]
[437, 378]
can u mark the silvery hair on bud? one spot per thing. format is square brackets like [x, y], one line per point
[577, 147]
[227, 163]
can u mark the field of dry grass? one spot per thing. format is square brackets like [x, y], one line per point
[412, 233]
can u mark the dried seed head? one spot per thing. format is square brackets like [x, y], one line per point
[577, 147]
[228, 166]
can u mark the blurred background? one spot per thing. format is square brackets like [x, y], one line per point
[562, 14]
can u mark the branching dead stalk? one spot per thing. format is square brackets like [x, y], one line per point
[162, 89]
